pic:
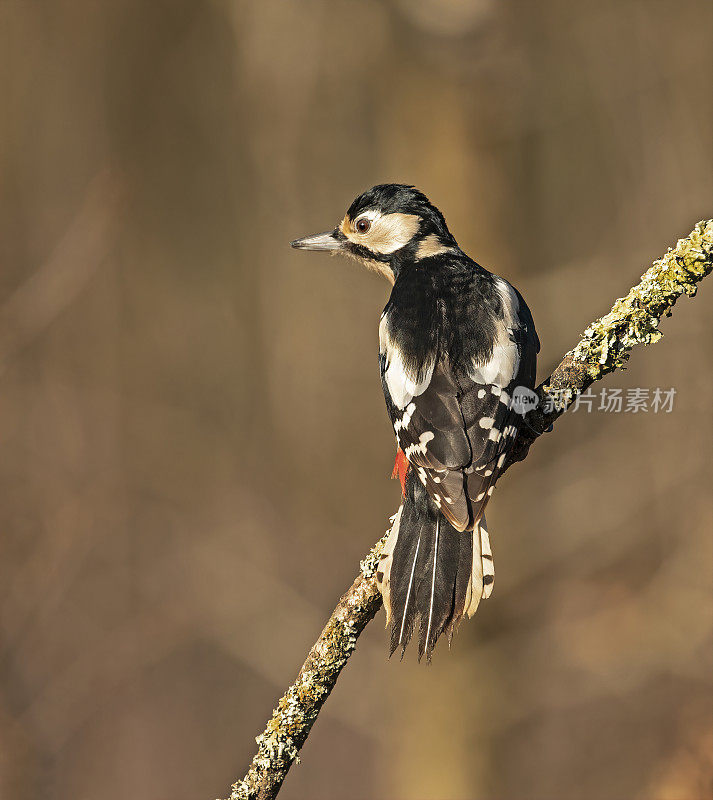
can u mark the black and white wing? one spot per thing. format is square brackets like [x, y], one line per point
[454, 422]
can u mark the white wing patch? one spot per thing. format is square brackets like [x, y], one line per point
[504, 363]
[403, 384]
[510, 301]
[502, 366]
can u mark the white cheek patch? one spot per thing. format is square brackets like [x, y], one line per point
[392, 232]
[387, 234]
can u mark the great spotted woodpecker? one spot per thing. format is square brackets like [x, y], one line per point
[454, 343]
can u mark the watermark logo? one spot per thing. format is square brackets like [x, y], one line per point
[610, 401]
[523, 400]
[627, 401]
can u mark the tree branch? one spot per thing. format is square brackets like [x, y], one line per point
[603, 348]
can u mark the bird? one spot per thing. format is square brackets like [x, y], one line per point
[456, 343]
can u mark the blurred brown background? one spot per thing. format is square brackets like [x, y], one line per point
[195, 451]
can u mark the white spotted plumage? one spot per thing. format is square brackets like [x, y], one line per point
[455, 342]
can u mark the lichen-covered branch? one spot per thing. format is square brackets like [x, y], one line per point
[634, 319]
[603, 348]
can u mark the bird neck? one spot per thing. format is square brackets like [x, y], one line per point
[424, 252]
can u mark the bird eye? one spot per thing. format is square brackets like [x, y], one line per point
[362, 225]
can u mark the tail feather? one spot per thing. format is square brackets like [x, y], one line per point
[440, 600]
[410, 559]
[430, 573]
[408, 617]
[463, 585]
[427, 638]
[383, 571]
[487, 557]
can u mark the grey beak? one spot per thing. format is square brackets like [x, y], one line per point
[319, 241]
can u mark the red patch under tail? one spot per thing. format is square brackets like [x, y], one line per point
[401, 466]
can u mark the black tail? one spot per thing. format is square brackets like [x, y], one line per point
[430, 572]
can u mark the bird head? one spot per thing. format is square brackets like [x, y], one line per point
[385, 227]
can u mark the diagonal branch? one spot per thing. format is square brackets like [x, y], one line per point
[603, 348]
